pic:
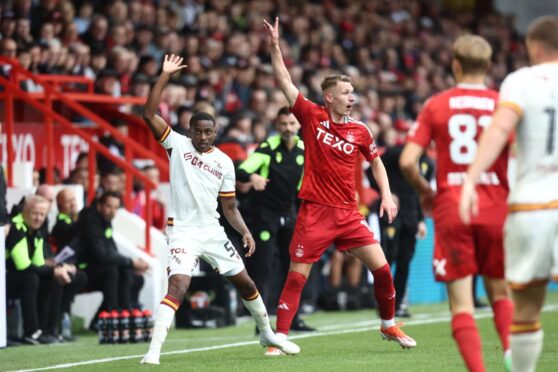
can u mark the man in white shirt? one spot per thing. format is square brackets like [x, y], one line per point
[199, 172]
[528, 105]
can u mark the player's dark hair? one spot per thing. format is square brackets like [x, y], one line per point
[201, 116]
[545, 31]
[331, 81]
[108, 194]
[284, 111]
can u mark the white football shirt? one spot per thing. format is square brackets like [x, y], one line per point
[533, 93]
[196, 180]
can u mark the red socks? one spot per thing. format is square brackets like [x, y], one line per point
[384, 292]
[503, 314]
[289, 300]
[468, 341]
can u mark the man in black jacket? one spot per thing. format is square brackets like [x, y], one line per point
[28, 277]
[117, 276]
[275, 172]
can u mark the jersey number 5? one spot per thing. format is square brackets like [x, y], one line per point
[463, 147]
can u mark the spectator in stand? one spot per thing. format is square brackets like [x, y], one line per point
[119, 277]
[65, 228]
[28, 277]
[114, 145]
[139, 200]
[63, 232]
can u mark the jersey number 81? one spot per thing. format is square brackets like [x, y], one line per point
[463, 147]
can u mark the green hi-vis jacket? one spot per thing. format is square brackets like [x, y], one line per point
[281, 166]
[24, 249]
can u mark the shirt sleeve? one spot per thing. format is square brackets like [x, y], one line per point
[512, 94]
[421, 131]
[169, 138]
[254, 163]
[227, 189]
[303, 109]
[369, 148]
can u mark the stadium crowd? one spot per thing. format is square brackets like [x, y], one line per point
[397, 53]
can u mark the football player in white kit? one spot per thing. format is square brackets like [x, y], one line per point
[529, 105]
[199, 173]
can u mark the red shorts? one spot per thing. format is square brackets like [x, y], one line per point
[318, 226]
[462, 250]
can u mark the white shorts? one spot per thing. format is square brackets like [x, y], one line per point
[531, 247]
[187, 244]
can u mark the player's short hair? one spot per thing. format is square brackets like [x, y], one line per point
[545, 31]
[284, 111]
[473, 53]
[331, 81]
[108, 194]
[200, 116]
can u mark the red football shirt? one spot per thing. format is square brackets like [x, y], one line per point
[331, 151]
[454, 120]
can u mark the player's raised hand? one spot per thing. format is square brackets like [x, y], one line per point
[389, 207]
[172, 64]
[249, 243]
[469, 202]
[272, 31]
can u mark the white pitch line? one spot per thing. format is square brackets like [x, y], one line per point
[366, 327]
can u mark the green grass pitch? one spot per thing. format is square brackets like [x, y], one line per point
[347, 341]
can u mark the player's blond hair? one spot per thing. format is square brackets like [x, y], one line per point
[331, 81]
[545, 31]
[473, 53]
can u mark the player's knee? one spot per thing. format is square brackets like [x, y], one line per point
[178, 286]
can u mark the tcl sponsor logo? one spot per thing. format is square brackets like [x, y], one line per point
[334, 141]
[178, 251]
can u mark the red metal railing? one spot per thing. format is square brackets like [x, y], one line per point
[12, 91]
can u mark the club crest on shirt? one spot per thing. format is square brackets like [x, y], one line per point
[350, 137]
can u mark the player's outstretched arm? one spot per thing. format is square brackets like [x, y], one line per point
[380, 175]
[409, 164]
[156, 123]
[280, 70]
[232, 214]
[491, 143]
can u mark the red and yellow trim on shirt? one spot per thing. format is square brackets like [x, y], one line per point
[525, 327]
[171, 302]
[513, 106]
[533, 206]
[165, 135]
[226, 194]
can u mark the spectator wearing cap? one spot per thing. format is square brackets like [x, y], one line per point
[107, 83]
[8, 24]
[140, 85]
[114, 145]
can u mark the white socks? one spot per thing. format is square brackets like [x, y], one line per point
[388, 323]
[526, 348]
[257, 308]
[165, 315]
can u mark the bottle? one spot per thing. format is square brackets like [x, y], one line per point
[66, 327]
[136, 326]
[113, 327]
[102, 327]
[124, 327]
[147, 325]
